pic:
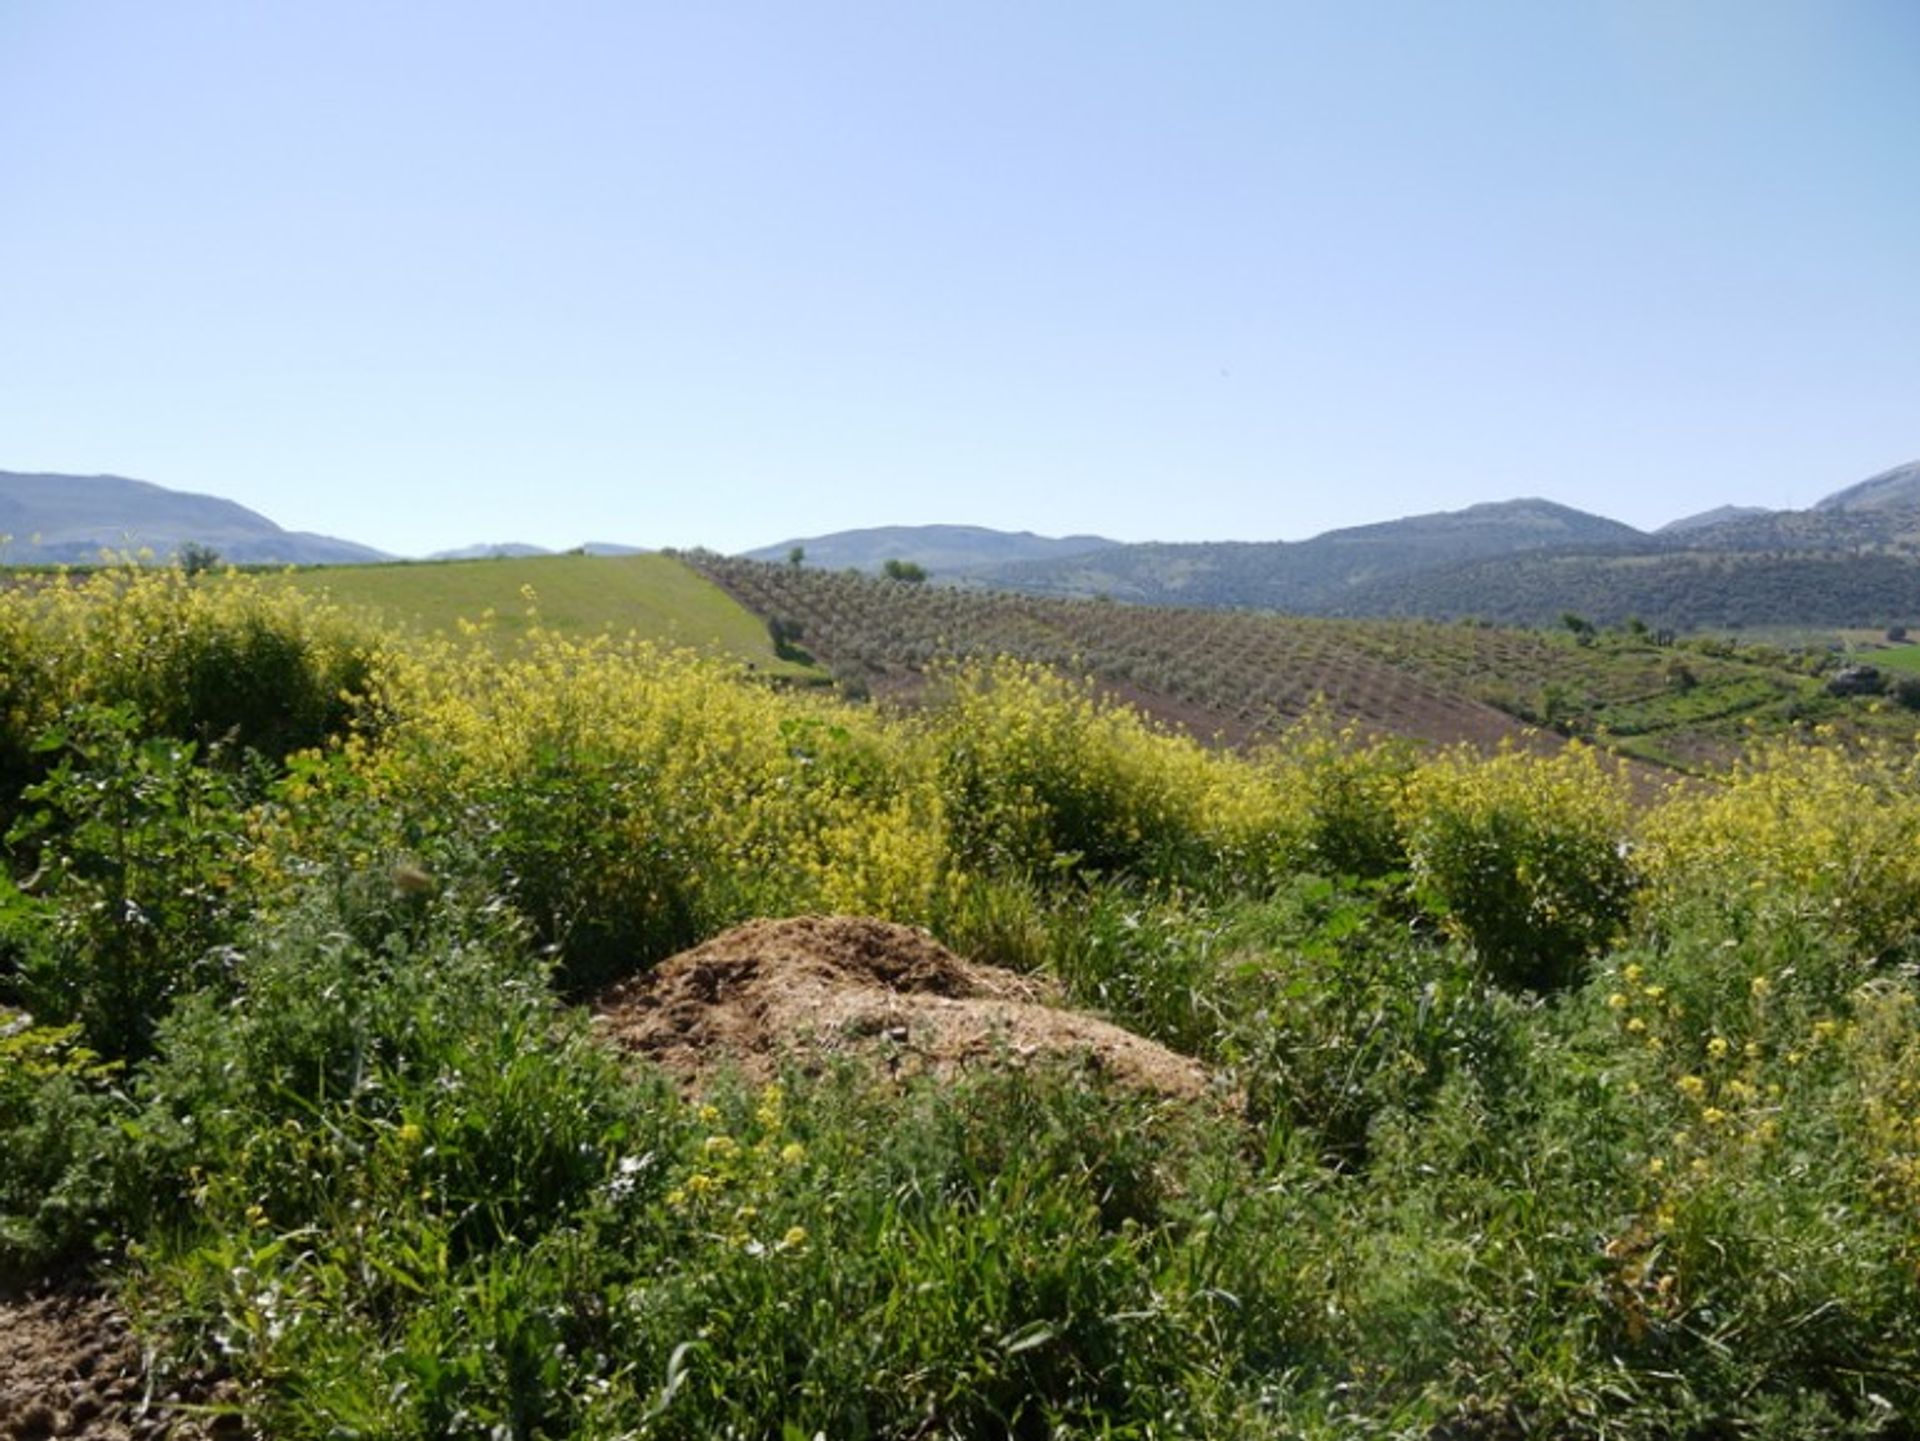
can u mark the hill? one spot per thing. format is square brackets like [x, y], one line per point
[1852, 561]
[940, 549]
[1685, 591]
[1311, 576]
[1899, 487]
[1717, 516]
[1246, 676]
[71, 519]
[653, 596]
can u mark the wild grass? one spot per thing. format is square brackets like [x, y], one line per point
[1539, 1113]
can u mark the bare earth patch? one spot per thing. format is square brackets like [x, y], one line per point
[70, 1367]
[811, 988]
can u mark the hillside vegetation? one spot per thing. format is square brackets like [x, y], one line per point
[1534, 1112]
[1241, 675]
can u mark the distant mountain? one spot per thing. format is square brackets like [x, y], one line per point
[941, 549]
[1719, 515]
[1850, 530]
[607, 547]
[502, 551]
[1899, 487]
[71, 519]
[1313, 576]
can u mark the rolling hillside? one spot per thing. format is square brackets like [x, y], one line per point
[1243, 676]
[652, 596]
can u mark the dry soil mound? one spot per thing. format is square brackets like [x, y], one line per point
[69, 1367]
[813, 987]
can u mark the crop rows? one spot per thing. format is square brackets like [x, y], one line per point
[1250, 674]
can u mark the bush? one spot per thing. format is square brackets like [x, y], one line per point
[1040, 781]
[226, 660]
[58, 1132]
[1798, 838]
[135, 850]
[1526, 858]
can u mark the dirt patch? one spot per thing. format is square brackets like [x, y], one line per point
[71, 1367]
[812, 988]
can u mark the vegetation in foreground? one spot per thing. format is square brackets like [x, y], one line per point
[1539, 1114]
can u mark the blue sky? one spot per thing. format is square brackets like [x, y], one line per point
[425, 274]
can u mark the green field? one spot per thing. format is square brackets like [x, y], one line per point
[652, 596]
[1904, 658]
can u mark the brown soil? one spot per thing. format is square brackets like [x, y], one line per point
[70, 1367]
[812, 988]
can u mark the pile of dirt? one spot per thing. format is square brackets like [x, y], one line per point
[810, 988]
[70, 1367]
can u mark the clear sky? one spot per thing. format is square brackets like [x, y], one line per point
[422, 274]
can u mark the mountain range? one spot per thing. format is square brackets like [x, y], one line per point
[1851, 559]
[72, 519]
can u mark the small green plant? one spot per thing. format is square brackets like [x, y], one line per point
[134, 851]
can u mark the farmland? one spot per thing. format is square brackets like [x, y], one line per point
[1241, 675]
[367, 1032]
[653, 596]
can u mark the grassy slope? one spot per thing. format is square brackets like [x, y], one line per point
[653, 596]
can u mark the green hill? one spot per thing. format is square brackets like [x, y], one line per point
[656, 597]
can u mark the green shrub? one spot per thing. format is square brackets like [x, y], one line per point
[222, 660]
[1526, 858]
[134, 849]
[1040, 781]
[58, 1135]
[1340, 1014]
